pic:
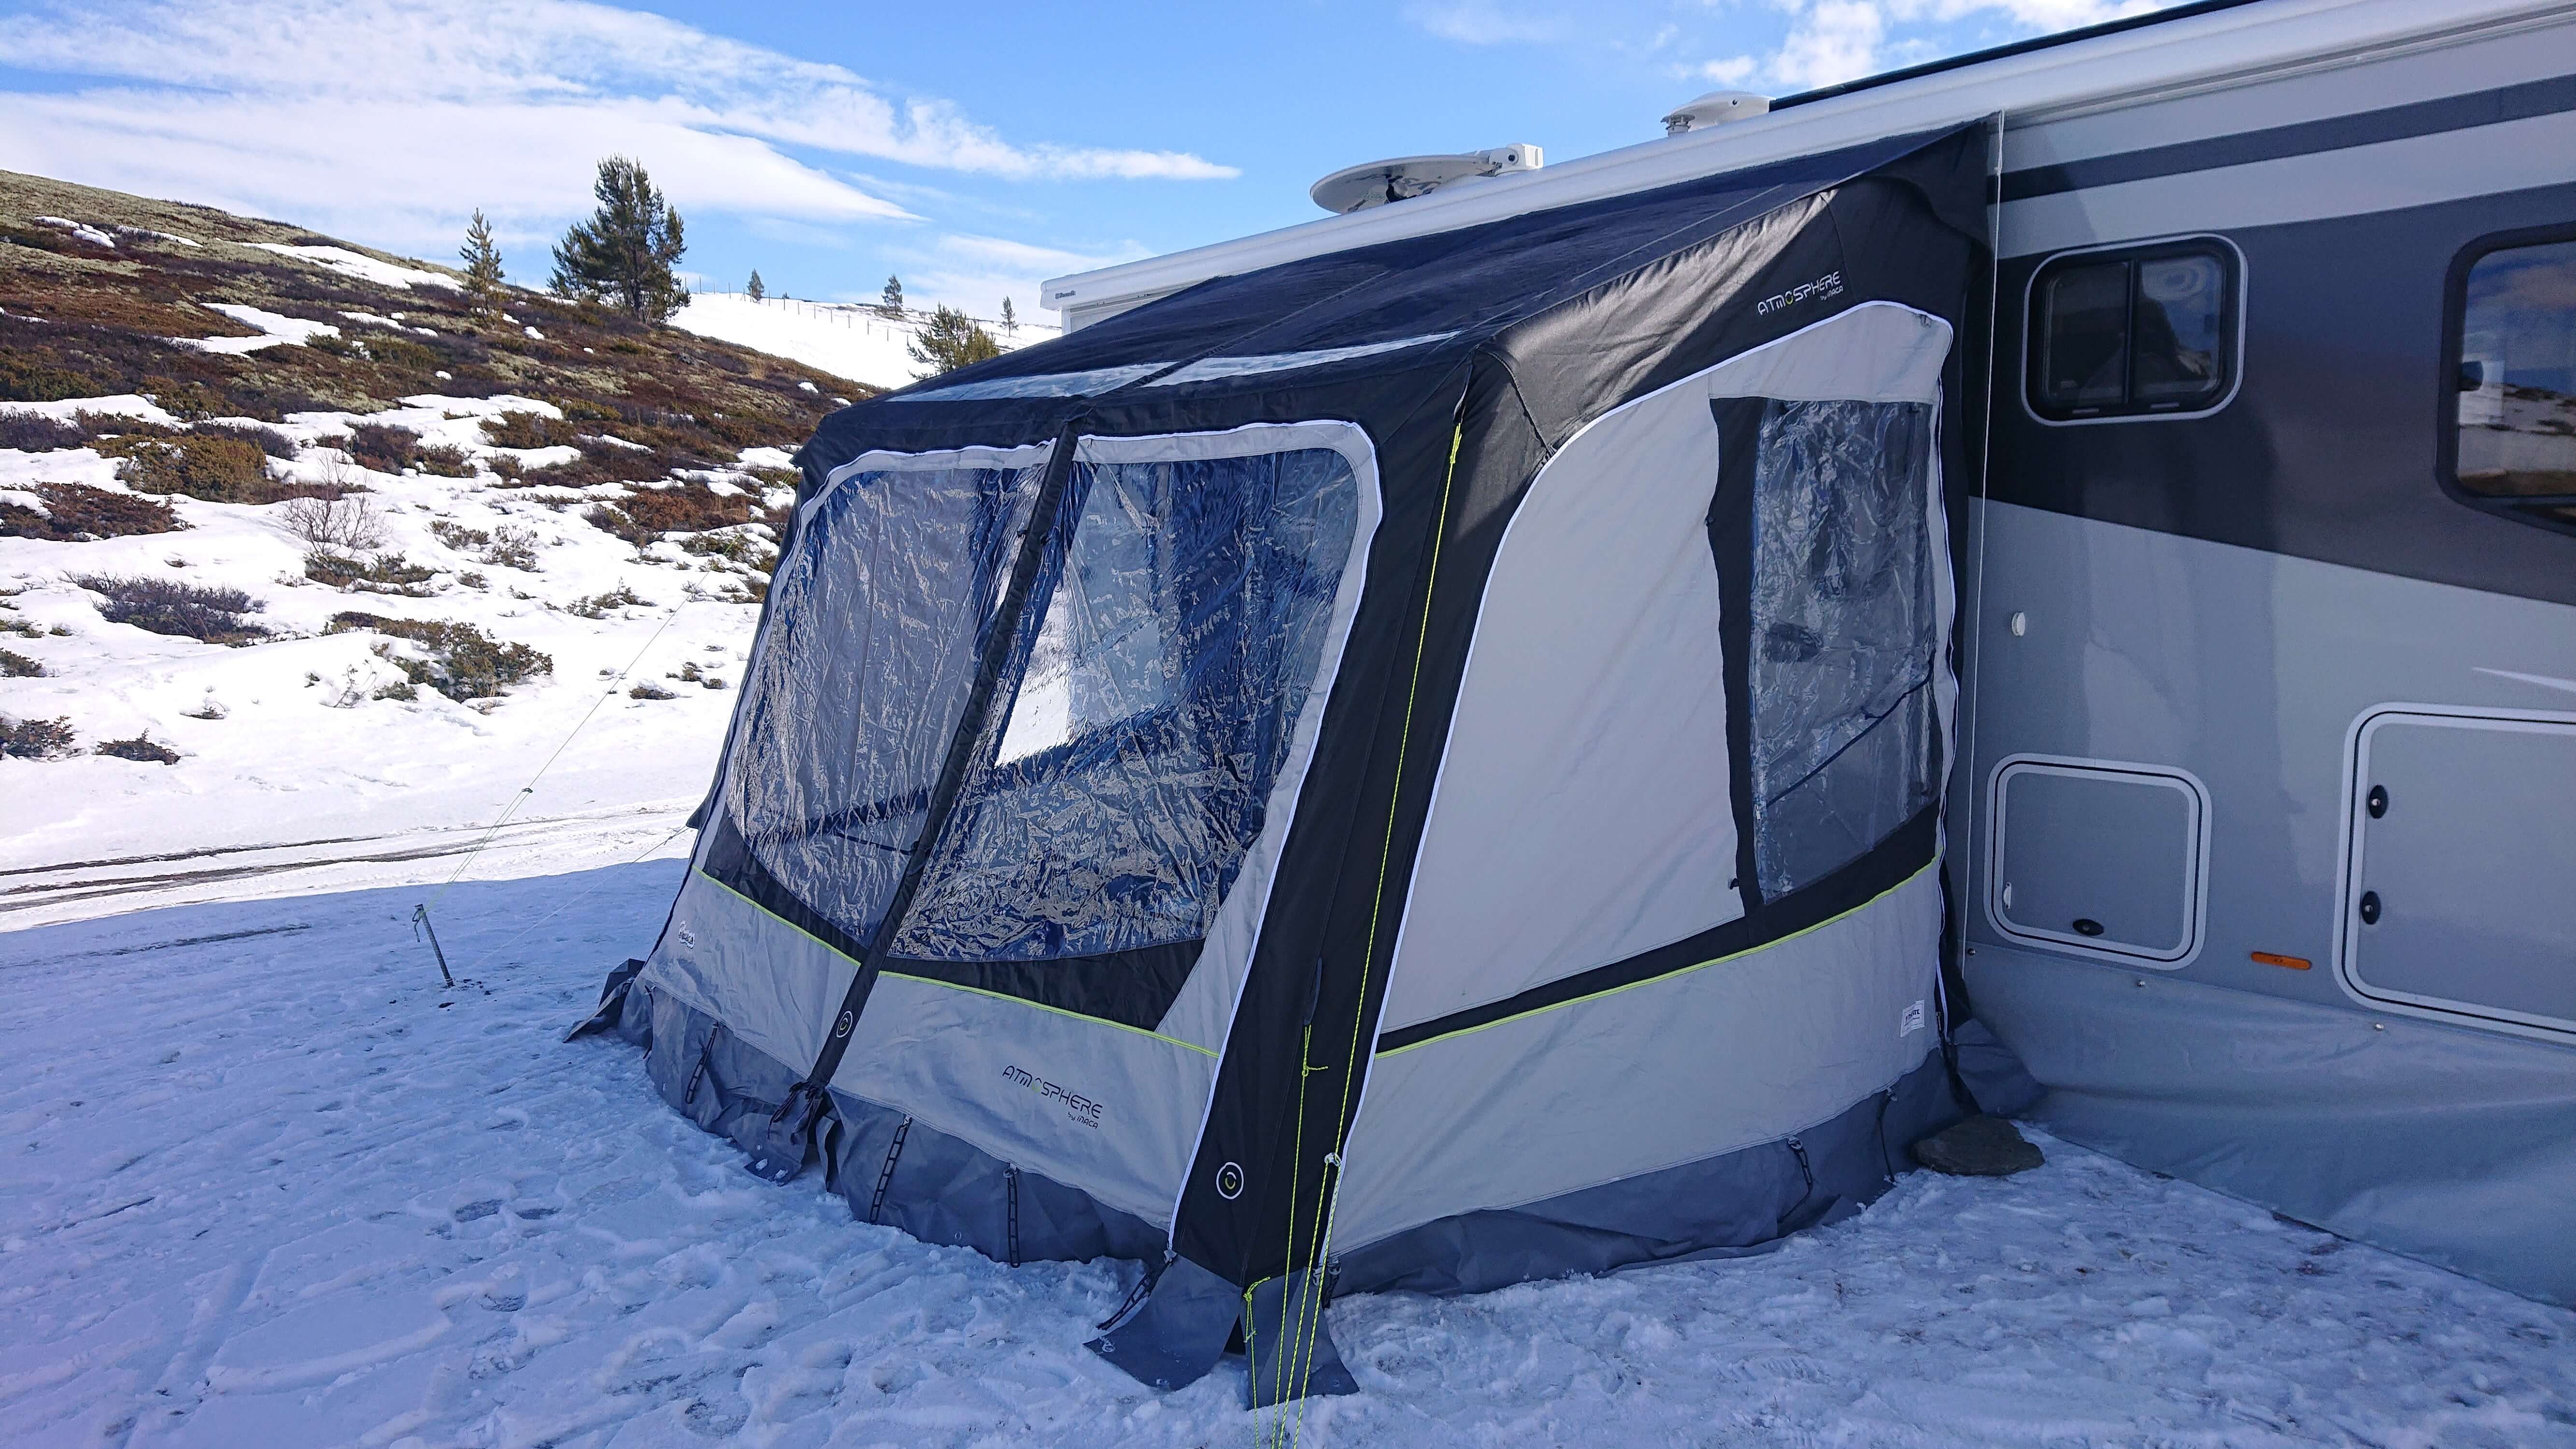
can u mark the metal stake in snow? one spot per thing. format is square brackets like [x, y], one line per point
[420, 923]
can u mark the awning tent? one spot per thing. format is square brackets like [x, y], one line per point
[1419, 767]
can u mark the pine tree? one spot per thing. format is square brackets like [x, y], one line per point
[891, 304]
[482, 267]
[951, 340]
[755, 289]
[1010, 319]
[623, 254]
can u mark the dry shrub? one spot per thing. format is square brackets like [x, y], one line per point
[25, 379]
[384, 573]
[383, 446]
[78, 513]
[690, 507]
[214, 470]
[35, 739]
[140, 749]
[349, 524]
[444, 460]
[267, 439]
[14, 665]
[596, 606]
[645, 689]
[464, 662]
[210, 614]
[35, 433]
[523, 429]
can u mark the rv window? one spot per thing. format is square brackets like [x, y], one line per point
[2516, 370]
[2131, 334]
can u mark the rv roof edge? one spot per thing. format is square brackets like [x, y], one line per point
[2197, 43]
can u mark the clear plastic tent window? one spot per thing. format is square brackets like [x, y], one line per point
[876, 620]
[1165, 668]
[1843, 633]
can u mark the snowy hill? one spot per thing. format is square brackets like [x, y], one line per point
[844, 339]
[332, 568]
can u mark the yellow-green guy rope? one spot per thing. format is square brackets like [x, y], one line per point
[1327, 1188]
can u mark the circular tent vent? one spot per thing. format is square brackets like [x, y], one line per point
[1375, 183]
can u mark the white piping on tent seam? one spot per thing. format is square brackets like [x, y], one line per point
[953, 985]
[1675, 973]
[1440, 772]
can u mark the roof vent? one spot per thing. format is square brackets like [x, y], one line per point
[1356, 188]
[1716, 109]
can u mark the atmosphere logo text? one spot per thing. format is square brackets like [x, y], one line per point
[1828, 285]
[1080, 1108]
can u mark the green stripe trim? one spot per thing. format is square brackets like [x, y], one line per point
[1667, 976]
[951, 985]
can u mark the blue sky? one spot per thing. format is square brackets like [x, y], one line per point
[972, 150]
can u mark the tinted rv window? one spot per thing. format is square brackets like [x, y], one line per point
[2516, 411]
[2130, 334]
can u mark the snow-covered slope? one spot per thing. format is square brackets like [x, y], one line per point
[291, 739]
[847, 341]
[267, 1185]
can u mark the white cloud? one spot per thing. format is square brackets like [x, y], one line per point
[408, 112]
[1830, 41]
[977, 272]
[1825, 41]
[1483, 22]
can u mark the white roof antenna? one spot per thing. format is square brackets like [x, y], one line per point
[1375, 183]
[1716, 109]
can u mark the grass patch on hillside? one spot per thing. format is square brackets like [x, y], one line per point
[14, 665]
[464, 662]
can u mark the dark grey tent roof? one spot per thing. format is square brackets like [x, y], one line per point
[1417, 305]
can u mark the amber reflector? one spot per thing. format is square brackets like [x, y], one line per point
[2295, 963]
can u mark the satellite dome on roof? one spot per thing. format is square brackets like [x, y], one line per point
[1716, 109]
[1375, 183]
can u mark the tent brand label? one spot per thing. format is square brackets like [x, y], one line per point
[1080, 1108]
[1828, 285]
[1912, 1022]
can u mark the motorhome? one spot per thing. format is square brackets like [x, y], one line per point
[1564, 715]
[2262, 839]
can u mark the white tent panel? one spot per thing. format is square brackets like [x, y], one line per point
[1673, 1070]
[1583, 812]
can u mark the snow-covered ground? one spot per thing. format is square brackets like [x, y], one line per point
[846, 341]
[263, 1182]
[283, 743]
